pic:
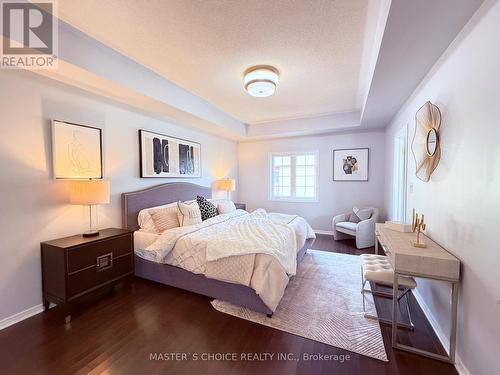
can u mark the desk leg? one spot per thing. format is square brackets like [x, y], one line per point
[395, 289]
[450, 358]
[453, 326]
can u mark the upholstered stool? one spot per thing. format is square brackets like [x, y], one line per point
[377, 269]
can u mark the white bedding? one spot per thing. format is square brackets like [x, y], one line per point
[258, 249]
[183, 253]
[142, 239]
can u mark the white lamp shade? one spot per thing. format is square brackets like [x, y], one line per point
[89, 192]
[227, 184]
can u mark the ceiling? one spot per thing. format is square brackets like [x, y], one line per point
[345, 65]
[322, 48]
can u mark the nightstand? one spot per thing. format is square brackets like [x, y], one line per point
[241, 206]
[75, 266]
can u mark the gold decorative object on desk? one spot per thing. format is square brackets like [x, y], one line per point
[417, 226]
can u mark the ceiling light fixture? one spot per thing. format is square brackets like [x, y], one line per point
[261, 81]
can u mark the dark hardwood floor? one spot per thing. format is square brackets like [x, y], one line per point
[116, 335]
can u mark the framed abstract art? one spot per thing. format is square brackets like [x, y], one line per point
[165, 156]
[350, 164]
[76, 151]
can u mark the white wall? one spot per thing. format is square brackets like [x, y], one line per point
[334, 197]
[34, 207]
[462, 201]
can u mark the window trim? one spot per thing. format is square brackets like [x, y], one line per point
[272, 198]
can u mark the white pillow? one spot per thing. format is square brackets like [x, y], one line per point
[188, 214]
[145, 220]
[165, 218]
[364, 213]
[225, 207]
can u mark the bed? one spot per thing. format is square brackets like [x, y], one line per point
[134, 202]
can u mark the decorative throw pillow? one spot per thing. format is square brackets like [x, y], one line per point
[207, 209]
[353, 218]
[225, 207]
[165, 218]
[358, 215]
[188, 214]
[145, 220]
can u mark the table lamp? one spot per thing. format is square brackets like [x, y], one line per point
[227, 185]
[91, 193]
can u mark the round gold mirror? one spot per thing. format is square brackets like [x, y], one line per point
[431, 142]
[425, 145]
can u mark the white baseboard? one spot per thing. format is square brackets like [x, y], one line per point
[327, 232]
[443, 337]
[13, 319]
[460, 367]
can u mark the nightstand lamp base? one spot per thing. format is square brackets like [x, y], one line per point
[91, 234]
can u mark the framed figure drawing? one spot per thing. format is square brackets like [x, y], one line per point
[76, 151]
[166, 156]
[350, 164]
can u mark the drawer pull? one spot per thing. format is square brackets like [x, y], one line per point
[104, 262]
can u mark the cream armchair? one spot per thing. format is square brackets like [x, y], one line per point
[364, 231]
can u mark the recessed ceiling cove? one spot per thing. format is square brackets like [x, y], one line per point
[320, 48]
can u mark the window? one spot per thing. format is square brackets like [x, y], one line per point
[293, 176]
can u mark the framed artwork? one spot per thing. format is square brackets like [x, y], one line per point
[350, 164]
[76, 151]
[166, 156]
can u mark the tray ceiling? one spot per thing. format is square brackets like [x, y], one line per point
[321, 48]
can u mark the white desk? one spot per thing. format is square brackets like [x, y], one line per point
[432, 262]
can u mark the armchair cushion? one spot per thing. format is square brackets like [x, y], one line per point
[347, 225]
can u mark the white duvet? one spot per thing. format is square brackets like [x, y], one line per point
[238, 233]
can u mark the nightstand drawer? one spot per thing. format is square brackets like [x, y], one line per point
[82, 281]
[82, 258]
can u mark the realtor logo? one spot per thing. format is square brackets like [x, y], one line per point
[29, 35]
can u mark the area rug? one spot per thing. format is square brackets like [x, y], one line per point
[323, 303]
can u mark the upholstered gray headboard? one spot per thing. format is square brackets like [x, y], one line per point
[135, 201]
